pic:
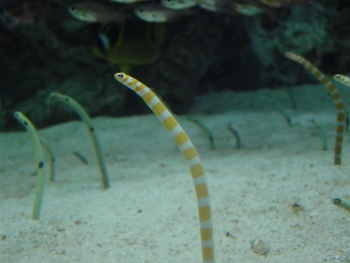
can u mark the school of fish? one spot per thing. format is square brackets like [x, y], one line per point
[167, 10]
[132, 31]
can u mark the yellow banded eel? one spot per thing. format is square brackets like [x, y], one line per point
[342, 203]
[342, 79]
[190, 154]
[339, 105]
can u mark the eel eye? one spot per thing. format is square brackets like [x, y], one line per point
[120, 75]
[336, 200]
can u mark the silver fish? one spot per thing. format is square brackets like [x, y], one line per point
[93, 12]
[248, 10]
[157, 14]
[223, 6]
[179, 4]
[127, 1]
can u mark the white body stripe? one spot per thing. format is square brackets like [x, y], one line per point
[176, 130]
[328, 83]
[207, 243]
[321, 78]
[202, 202]
[314, 71]
[128, 81]
[199, 180]
[186, 145]
[153, 102]
[194, 161]
[206, 224]
[143, 92]
[165, 114]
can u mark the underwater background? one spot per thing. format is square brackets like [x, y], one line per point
[255, 94]
[75, 47]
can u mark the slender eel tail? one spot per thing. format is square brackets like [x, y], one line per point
[339, 105]
[190, 154]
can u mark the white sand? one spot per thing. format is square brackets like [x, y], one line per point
[149, 213]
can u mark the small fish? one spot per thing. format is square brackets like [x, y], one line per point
[248, 10]
[209, 7]
[93, 12]
[280, 3]
[179, 4]
[222, 6]
[127, 1]
[157, 14]
[81, 157]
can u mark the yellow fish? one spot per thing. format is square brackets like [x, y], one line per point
[132, 43]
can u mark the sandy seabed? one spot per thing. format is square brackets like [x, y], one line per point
[277, 188]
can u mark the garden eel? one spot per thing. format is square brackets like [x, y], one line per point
[190, 154]
[39, 156]
[90, 129]
[342, 203]
[342, 79]
[339, 105]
